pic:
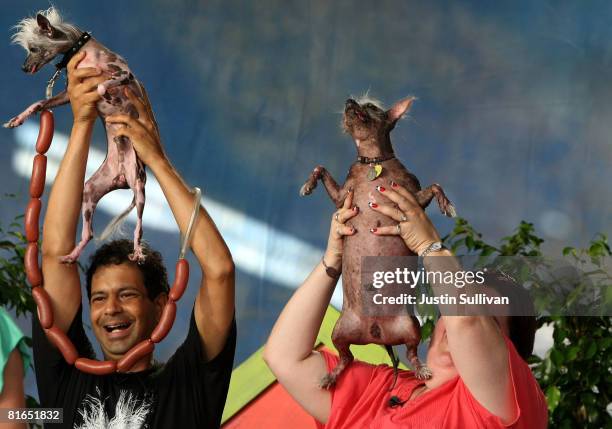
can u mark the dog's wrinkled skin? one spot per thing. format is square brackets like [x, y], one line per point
[370, 125]
[47, 37]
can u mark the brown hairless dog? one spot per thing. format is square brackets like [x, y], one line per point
[376, 165]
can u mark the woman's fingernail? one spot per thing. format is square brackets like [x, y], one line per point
[355, 208]
[353, 230]
[373, 205]
[393, 184]
[381, 189]
[373, 230]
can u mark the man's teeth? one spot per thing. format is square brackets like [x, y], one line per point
[111, 328]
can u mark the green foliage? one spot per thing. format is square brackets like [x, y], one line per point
[575, 374]
[14, 290]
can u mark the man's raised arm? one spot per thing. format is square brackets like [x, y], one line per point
[214, 306]
[59, 229]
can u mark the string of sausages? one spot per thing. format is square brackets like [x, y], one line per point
[34, 275]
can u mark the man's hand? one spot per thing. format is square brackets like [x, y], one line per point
[82, 90]
[142, 131]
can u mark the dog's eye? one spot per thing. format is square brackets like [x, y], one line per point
[370, 106]
[34, 49]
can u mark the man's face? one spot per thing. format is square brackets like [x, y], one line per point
[122, 315]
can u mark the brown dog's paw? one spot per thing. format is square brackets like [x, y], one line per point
[450, 210]
[423, 372]
[138, 256]
[13, 123]
[328, 381]
[306, 189]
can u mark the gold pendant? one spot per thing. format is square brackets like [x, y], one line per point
[374, 171]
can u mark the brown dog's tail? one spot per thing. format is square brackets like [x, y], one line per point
[395, 360]
[115, 224]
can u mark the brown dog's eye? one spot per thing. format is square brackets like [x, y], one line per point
[34, 49]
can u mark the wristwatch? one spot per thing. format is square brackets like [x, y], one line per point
[433, 247]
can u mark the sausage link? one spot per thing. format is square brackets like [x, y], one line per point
[180, 280]
[96, 367]
[30, 220]
[43, 304]
[165, 322]
[39, 171]
[134, 355]
[45, 132]
[63, 344]
[32, 268]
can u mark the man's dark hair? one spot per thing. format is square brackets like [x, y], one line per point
[521, 322]
[117, 252]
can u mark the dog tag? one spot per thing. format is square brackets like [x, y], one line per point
[374, 171]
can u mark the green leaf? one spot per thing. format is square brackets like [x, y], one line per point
[572, 353]
[553, 396]
[591, 350]
[556, 357]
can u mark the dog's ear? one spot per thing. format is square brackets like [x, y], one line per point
[45, 26]
[399, 109]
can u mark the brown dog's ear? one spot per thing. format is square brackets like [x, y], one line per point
[399, 109]
[45, 26]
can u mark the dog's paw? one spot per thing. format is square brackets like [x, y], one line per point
[305, 190]
[450, 210]
[13, 123]
[138, 256]
[68, 259]
[423, 372]
[327, 382]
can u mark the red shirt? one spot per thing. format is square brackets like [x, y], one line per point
[360, 400]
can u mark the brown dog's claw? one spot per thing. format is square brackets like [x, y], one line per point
[305, 190]
[138, 256]
[423, 372]
[327, 382]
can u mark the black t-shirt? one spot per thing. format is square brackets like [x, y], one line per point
[186, 392]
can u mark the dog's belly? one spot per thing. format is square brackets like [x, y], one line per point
[358, 292]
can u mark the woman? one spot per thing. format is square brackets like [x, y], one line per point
[479, 379]
[13, 362]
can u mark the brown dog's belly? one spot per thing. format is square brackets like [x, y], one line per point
[364, 321]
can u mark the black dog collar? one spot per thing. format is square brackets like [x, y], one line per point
[366, 160]
[72, 51]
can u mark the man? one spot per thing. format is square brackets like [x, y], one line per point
[479, 379]
[126, 299]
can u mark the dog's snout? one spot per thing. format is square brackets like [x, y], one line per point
[350, 102]
[24, 67]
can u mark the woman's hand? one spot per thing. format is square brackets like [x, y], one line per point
[142, 131]
[413, 226]
[83, 90]
[338, 229]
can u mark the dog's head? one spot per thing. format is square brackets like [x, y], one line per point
[366, 119]
[44, 37]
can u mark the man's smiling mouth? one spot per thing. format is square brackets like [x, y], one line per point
[118, 329]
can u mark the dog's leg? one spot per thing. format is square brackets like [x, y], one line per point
[139, 194]
[346, 332]
[412, 338]
[425, 196]
[58, 100]
[98, 185]
[331, 186]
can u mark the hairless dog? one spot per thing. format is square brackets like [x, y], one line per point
[47, 36]
[369, 126]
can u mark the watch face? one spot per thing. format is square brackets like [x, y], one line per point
[436, 246]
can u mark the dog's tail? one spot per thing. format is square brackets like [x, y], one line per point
[115, 224]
